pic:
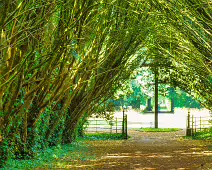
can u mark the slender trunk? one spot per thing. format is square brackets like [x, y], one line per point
[156, 98]
[149, 107]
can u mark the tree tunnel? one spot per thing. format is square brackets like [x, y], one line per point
[60, 59]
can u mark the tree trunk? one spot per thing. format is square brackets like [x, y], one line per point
[156, 98]
[149, 107]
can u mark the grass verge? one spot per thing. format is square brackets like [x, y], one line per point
[203, 136]
[103, 136]
[157, 129]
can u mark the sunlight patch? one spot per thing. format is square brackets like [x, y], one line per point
[116, 156]
[159, 156]
[196, 148]
[206, 153]
[146, 168]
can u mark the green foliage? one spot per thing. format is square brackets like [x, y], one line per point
[204, 135]
[53, 59]
[183, 99]
[48, 158]
[104, 110]
[138, 90]
[138, 97]
[82, 125]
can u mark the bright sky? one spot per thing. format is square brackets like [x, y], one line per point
[177, 120]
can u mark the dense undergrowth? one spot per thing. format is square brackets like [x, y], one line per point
[203, 135]
[55, 156]
[49, 157]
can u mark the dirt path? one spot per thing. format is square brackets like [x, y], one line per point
[161, 151]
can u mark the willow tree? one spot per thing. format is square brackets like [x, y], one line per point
[116, 35]
[58, 58]
[186, 46]
[180, 46]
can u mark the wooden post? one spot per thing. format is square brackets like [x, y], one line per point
[188, 130]
[192, 130]
[126, 136]
[156, 98]
[200, 119]
[123, 123]
[116, 124]
[188, 126]
[195, 124]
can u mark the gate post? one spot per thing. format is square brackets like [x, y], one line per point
[116, 124]
[195, 124]
[125, 121]
[188, 128]
[192, 131]
[123, 124]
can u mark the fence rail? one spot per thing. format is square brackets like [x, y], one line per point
[117, 125]
[197, 124]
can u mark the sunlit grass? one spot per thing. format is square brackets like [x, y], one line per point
[158, 129]
[103, 136]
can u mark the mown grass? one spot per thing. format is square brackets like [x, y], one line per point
[158, 129]
[60, 156]
[103, 136]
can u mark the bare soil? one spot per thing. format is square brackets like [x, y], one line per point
[149, 151]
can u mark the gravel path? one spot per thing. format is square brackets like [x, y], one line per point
[149, 151]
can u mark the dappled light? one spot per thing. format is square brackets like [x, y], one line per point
[203, 153]
[145, 168]
[130, 155]
[163, 153]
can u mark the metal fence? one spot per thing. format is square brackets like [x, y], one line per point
[98, 125]
[197, 124]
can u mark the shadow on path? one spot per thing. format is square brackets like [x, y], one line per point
[150, 151]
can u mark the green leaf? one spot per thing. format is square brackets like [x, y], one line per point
[76, 56]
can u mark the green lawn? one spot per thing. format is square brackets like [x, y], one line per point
[158, 129]
[103, 136]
